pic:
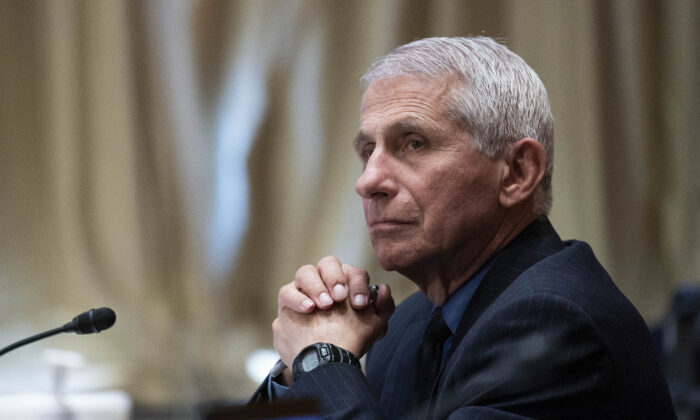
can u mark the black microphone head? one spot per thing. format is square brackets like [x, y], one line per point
[93, 321]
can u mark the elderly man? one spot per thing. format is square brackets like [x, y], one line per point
[510, 322]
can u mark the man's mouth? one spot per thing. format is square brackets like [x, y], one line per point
[387, 223]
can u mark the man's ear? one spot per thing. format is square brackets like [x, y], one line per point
[524, 166]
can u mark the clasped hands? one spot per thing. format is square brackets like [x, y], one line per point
[329, 303]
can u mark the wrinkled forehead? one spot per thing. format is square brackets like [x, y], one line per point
[438, 93]
[408, 100]
[405, 91]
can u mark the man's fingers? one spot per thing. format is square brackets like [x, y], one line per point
[358, 286]
[308, 281]
[333, 276]
[290, 297]
[328, 282]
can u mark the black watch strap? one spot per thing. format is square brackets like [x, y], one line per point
[319, 354]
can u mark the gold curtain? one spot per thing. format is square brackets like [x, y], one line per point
[179, 160]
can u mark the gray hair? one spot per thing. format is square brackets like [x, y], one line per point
[499, 99]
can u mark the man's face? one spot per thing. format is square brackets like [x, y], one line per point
[430, 199]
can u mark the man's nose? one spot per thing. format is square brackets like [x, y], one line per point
[376, 180]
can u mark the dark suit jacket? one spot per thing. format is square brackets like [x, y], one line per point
[547, 335]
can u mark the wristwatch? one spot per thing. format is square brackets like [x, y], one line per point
[319, 354]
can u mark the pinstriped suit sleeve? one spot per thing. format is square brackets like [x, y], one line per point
[341, 391]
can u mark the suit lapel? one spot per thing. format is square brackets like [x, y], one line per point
[536, 242]
[533, 244]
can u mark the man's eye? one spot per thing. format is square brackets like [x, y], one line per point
[415, 144]
[366, 153]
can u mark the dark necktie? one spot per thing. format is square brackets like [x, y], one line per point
[430, 358]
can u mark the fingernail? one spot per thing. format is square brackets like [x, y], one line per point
[306, 304]
[340, 292]
[325, 299]
[359, 300]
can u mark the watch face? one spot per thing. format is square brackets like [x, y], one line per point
[310, 360]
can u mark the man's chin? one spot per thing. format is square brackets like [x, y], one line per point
[392, 261]
[388, 265]
[397, 254]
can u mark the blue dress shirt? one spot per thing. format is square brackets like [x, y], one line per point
[456, 305]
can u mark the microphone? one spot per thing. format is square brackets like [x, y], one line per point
[92, 321]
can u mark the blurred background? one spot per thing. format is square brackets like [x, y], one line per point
[179, 160]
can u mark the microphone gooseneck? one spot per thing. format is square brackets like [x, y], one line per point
[92, 321]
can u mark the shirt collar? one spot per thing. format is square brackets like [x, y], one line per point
[457, 303]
